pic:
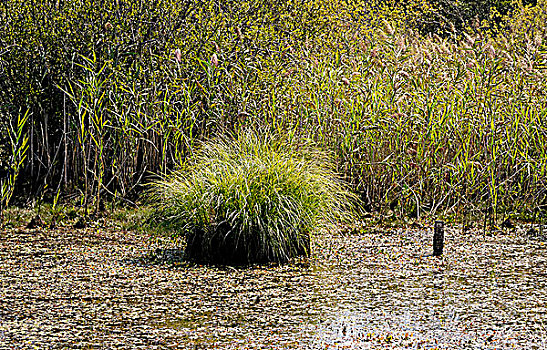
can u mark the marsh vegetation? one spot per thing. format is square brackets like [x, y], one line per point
[448, 118]
[260, 131]
[252, 198]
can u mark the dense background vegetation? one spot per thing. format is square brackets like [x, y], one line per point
[427, 106]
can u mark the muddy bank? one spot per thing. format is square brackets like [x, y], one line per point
[377, 289]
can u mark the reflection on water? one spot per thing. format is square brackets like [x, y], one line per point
[480, 295]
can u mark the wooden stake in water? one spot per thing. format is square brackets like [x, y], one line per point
[438, 238]
[541, 215]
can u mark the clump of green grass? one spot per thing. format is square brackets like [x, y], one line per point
[252, 198]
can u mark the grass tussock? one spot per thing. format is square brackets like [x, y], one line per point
[252, 198]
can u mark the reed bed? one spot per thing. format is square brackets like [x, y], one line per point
[432, 123]
[448, 118]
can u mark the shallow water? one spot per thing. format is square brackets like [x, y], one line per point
[381, 290]
[372, 290]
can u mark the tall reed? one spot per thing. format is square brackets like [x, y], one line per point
[418, 122]
[18, 146]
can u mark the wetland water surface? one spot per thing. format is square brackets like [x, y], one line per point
[373, 290]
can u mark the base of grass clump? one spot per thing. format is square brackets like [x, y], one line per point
[252, 198]
[223, 248]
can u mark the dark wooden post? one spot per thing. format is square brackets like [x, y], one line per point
[438, 238]
[541, 215]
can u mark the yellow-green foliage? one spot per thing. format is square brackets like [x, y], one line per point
[252, 197]
[432, 122]
[134, 84]
[431, 114]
